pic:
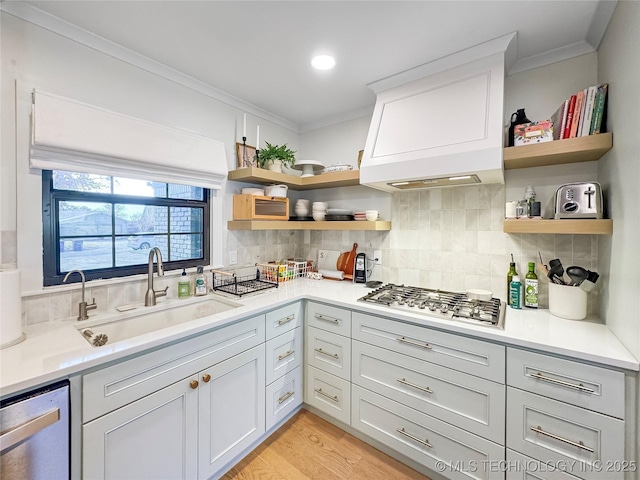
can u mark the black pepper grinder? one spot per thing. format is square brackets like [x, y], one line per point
[517, 118]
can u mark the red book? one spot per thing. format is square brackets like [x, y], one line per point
[576, 114]
[572, 107]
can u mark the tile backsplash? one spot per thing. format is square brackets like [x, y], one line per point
[449, 238]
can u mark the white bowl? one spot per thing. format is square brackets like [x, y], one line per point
[371, 215]
[478, 294]
[276, 190]
[319, 206]
[318, 216]
[253, 191]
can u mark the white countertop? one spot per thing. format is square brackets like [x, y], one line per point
[56, 350]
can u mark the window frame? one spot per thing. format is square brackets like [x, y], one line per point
[51, 233]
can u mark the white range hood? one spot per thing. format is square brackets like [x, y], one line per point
[440, 124]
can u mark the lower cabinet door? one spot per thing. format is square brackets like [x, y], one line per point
[152, 438]
[439, 446]
[231, 397]
[328, 393]
[519, 467]
[284, 395]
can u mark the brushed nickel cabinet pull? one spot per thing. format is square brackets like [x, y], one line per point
[285, 355]
[579, 444]
[414, 438]
[285, 396]
[26, 430]
[284, 320]
[416, 344]
[319, 390]
[424, 389]
[580, 387]
[327, 319]
[332, 355]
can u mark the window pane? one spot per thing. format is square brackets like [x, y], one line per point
[186, 192]
[131, 186]
[84, 218]
[86, 253]
[185, 219]
[142, 218]
[134, 250]
[185, 247]
[81, 182]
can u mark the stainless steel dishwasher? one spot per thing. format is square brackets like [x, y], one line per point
[34, 434]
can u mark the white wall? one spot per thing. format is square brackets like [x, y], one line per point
[619, 172]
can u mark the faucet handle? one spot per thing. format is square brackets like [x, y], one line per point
[93, 303]
[162, 293]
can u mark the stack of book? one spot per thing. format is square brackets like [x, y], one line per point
[585, 113]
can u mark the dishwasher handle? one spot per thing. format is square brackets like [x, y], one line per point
[26, 430]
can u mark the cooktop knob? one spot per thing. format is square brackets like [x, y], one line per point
[411, 302]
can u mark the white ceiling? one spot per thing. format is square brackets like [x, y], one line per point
[258, 52]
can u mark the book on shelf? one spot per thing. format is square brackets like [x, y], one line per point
[559, 119]
[588, 110]
[598, 123]
[575, 120]
[572, 107]
[584, 104]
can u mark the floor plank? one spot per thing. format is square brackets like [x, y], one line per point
[307, 447]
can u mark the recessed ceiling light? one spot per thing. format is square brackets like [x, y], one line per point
[323, 62]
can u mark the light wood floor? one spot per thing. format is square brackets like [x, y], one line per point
[309, 448]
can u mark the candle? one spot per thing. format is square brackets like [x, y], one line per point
[244, 126]
[258, 138]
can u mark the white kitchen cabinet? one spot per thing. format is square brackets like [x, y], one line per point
[283, 354]
[520, 467]
[283, 396]
[329, 318]
[152, 438]
[231, 409]
[328, 393]
[283, 319]
[329, 352]
[424, 438]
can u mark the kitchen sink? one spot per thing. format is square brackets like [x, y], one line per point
[122, 327]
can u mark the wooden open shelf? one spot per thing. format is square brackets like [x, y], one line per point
[569, 150]
[262, 176]
[379, 225]
[575, 227]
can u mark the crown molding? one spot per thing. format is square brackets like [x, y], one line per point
[35, 16]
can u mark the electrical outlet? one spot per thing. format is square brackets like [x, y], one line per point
[377, 256]
[233, 257]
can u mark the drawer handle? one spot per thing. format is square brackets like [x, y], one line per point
[285, 355]
[413, 437]
[416, 344]
[580, 387]
[556, 437]
[332, 355]
[194, 384]
[319, 390]
[285, 396]
[284, 320]
[424, 389]
[327, 319]
[26, 430]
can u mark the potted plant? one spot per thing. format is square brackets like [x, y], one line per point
[274, 157]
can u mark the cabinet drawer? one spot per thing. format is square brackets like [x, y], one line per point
[553, 431]
[519, 467]
[423, 438]
[283, 319]
[111, 387]
[587, 386]
[328, 393]
[326, 317]
[283, 396]
[284, 354]
[469, 402]
[467, 355]
[329, 352]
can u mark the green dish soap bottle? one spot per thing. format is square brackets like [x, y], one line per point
[515, 293]
[531, 287]
[510, 274]
[184, 285]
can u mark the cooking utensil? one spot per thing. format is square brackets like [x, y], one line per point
[556, 271]
[577, 275]
[345, 262]
[590, 281]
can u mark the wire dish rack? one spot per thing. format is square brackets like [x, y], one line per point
[256, 279]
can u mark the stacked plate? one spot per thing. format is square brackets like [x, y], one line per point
[339, 214]
[359, 216]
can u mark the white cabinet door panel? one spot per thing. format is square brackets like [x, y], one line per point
[283, 396]
[329, 352]
[284, 354]
[519, 467]
[152, 438]
[588, 386]
[548, 430]
[283, 319]
[328, 393]
[326, 317]
[469, 402]
[424, 438]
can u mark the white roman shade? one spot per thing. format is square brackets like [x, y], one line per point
[71, 135]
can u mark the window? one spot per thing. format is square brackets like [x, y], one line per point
[106, 225]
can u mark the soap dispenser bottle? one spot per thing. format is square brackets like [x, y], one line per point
[184, 285]
[201, 282]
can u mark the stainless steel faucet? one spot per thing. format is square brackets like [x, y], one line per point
[83, 307]
[151, 295]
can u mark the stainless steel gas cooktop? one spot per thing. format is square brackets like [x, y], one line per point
[439, 304]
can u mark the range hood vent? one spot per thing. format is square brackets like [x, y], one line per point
[440, 124]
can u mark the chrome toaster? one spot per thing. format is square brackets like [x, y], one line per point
[579, 200]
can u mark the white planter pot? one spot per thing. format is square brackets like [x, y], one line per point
[275, 166]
